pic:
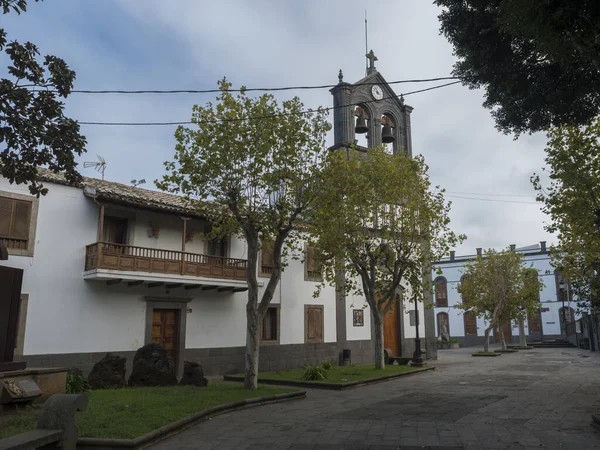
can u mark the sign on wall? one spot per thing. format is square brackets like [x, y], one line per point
[358, 317]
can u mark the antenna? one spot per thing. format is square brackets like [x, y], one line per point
[136, 183]
[99, 165]
[366, 45]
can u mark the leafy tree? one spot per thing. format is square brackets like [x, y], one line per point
[378, 227]
[249, 165]
[33, 129]
[495, 287]
[572, 201]
[538, 60]
[525, 304]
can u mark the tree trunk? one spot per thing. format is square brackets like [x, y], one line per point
[522, 337]
[486, 342]
[379, 344]
[502, 340]
[253, 326]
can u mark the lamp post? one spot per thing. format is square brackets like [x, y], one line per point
[417, 355]
[561, 288]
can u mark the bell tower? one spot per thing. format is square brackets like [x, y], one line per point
[370, 106]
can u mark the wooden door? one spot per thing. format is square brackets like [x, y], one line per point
[165, 329]
[391, 331]
[507, 329]
[10, 295]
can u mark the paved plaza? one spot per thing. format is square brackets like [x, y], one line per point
[539, 398]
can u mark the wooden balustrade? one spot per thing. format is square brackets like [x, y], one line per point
[105, 255]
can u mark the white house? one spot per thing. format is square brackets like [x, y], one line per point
[110, 267]
[469, 330]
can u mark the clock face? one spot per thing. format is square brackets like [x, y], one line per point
[377, 92]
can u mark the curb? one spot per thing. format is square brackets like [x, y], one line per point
[172, 428]
[330, 386]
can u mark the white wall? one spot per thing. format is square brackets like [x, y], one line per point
[68, 314]
[548, 297]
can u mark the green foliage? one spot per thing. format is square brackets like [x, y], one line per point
[498, 287]
[572, 201]
[538, 60]
[315, 372]
[77, 383]
[251, 166]
[379, 222]
[33, 128]
[327, 365]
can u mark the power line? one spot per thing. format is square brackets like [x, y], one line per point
[261, 89]
[489, 195]
[270, 116]
[494, 200]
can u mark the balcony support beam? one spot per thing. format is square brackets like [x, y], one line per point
[111, 282]
[208, 288]
[135, 283]
[192, 286]
[225, 288]
[174, 285]
[153, 285]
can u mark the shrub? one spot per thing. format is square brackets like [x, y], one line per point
[327, 365]
[77, 383]
[314, 373]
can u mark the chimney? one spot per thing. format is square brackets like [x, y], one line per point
[479, 251]
[543, 246]
[513, 247]
[452, 255]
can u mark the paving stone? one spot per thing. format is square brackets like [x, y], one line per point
[532, 402]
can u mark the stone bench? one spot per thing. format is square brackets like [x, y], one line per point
[55, 427]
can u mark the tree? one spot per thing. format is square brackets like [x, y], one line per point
[378, 227]
[493, 285]
[572, 201]
[33, 129]
[249, 166]
[538, 60]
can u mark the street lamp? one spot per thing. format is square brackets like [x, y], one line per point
[417, 355]
[561, 288]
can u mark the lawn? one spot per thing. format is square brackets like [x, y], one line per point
[482, 353]
[338, 374]
[131, 412]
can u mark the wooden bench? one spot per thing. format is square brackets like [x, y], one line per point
[55, 427]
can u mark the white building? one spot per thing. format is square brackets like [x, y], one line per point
[469, 330]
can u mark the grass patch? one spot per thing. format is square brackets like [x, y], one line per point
[131, 412]
[508, 350]
[482, 353]
[338, 374]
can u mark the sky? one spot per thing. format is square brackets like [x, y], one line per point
[190, 44]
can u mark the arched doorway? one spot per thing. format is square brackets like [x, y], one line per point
[443, 325]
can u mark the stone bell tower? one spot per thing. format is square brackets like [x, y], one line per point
[370, 106]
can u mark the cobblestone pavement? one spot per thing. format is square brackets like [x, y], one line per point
[539, 398]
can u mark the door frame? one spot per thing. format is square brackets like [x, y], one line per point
[179, 305]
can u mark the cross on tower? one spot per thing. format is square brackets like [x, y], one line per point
[372, 58]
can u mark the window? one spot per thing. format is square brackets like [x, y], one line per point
[443, 325]
[217, 248]
[441, 292]
[313, 323]
[312, 267]
[464, 300]
[17, 223]
[266, 259]
[566, 295]
[270, 325]
[470, 323]
[534, 323]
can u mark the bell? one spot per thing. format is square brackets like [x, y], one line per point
[386, 134]
[361, 125]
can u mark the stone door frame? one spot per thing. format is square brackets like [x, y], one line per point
[179, 305]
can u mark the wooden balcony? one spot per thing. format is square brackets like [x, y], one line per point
[104, 255]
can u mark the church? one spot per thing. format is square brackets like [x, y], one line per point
[106, 267]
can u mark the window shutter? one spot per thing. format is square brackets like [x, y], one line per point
[310, 259]
[314, 324]
[6, 207]
[21, 218]
[267, 253]
[318, 324]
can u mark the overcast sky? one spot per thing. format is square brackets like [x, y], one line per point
[179, 44]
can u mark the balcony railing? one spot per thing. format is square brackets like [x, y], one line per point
[104, 255]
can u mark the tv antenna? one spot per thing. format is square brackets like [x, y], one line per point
[136, 183]
[99, 165]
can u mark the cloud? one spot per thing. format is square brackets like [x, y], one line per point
[131, 44]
